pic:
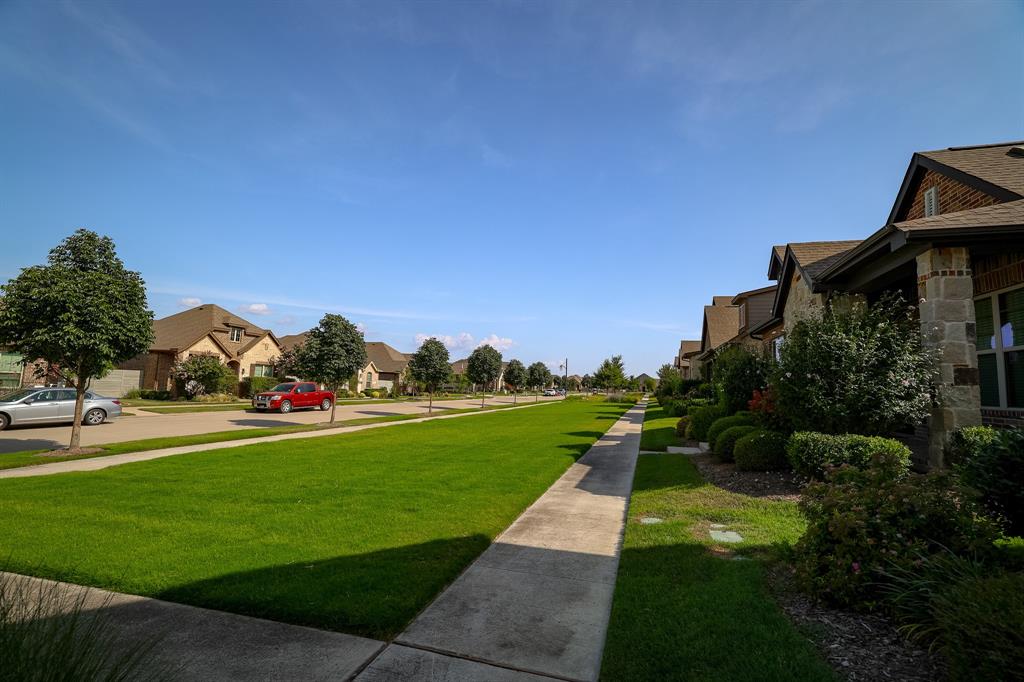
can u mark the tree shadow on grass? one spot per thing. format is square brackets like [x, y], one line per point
[266, 422]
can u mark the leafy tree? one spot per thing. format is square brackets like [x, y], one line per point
[200, 374]
[484, 367]
[857, 369]
[611, 373]
[538, 375]
[286, 364]
[588, 381]
[516, 376]
[666, 371]
[650, 383]
[81, 313]
[333, 351]
[430, 365]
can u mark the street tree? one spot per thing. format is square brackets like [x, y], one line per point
[430, 365]
[611, 374]
[332, 353]
[484, 367]
[516, 376]
[81, 314]
[666, 371]
[538, 376]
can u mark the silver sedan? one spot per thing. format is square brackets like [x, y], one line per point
[54, 405]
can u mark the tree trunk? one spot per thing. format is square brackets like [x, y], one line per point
[76, 426]
[334, 403]
[515, 397]
[536, 395]
[430, 406]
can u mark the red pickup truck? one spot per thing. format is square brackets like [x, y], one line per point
[291, 396]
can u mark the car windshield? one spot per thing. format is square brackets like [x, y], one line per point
[17, 395]
[283, 388]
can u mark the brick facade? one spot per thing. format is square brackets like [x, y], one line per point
[992, 273]
[953, 196]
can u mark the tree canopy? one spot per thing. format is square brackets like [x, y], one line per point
[611, 373]
[484, 366]
[81, 313]
[538, 375]
[430, 365]
[666, 371]
[332, 353]
[516, 376]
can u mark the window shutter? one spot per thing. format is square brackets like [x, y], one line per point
[931, 202]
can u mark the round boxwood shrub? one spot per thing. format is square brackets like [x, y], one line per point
[726, 441]
[681, 426]
[720, 425]
[761, 450]
[701, 420]
[811, 453]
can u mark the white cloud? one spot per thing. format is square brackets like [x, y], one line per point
[498, 342]
[361, 327]
[255, 309]
[462, 341]
[189, 302]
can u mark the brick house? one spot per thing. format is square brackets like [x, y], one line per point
[205, 330]
[390, 364]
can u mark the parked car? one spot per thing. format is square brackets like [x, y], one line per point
[550, 391]
[293, 395]
[54, 406]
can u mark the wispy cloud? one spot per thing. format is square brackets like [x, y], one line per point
[255, 309]
[466, 341]
[189, 301]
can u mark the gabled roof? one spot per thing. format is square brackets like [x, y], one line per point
[290, 341]
[387, 358]
[256, 340]
[184, 329]
[721, 300]
[812, 258]
[743, 295]
[1010, 214]
[687, 347]
[721, 323]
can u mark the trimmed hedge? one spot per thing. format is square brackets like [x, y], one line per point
[761, 450]
[701, 420]
[726, 441]
[811, 453]
[253, 385]
[720, 425]
[681, 426]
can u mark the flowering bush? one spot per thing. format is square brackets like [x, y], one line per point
[857, 369]
[738, 373]
[860, 522]
[764, 407]
[199, 374]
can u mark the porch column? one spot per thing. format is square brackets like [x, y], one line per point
[946, 302]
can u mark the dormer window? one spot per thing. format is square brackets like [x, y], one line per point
[235, 334]
[931, 202]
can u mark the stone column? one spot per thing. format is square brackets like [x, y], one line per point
[946, 302]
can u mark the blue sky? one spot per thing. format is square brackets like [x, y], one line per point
[563, 178]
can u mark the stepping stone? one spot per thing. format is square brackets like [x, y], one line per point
[682, 450]
[718, 526]
[726, 536]
[650, 520]
[704, 447]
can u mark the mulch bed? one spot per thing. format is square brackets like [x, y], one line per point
[860, 647]
[773, 485]
[66, 452]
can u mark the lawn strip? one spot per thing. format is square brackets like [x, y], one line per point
[686, 607]
[32, 457]
[659, 429]
[354, 533]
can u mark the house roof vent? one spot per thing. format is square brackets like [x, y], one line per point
[1017, 151]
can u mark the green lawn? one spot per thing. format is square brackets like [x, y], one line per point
[355, 533]
[24, 458]
[180, 407]
[688, 609]
[659, 429]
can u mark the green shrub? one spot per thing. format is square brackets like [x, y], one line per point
[701, 420]
[967, 441]
[703, 390]
[739, 373]
[981, 621]
[671, 407]
[861, 523]
[253, 385]
[761, 450]
[681, 426]
[151, 394]
[216, 398]
[722, 423]
[726, 441]
[811, 454]
[133, 394]
[996, 470]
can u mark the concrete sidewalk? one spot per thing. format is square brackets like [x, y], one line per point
[536, 604]
[97, 463]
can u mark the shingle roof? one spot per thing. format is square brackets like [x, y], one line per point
[688, 346]
[780, 251]
[386, 358]
[721, 300]
[991, 163]
[999, 215]
[292, 340]
[181, 330]
[723, 323]
[814, 257]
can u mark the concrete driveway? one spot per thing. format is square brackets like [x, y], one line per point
[148, 425]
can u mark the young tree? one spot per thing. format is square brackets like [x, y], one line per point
[430, 366]
[538, 375]
[666, 371]
[611, 373]
[81, 313]
[334, 350]
[484, 367]
[516, 376]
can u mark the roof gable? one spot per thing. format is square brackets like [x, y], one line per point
[387, 358]
[184, 329]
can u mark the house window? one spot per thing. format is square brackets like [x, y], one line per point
[369, 380]
[776, 346]
[743, 316]
[235, 334]
[999, 320]
[931, 201]
[10, 371]
[263, 370]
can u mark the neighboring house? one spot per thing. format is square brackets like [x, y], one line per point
[291, 341]
[391, 364]
[721, 323]
[755, 309]
[643, 379]
[459, 368]
[954, 244]
[205, 330]
[14, 372]
[368, 378]
[687, 349]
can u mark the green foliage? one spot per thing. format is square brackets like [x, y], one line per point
[611, 373]
[861, 522]
[199, 374]
[681, 426]
[151, 394]
[484, 365]
[286, 364]
[516, 375]
[857, 369]
[82, 312]
[967, 441]
[994, 466]
[332, 353]
[811, 454]
[723, 423]
[701, 420]
[739, 373]
[761, 450]
[253, 385]
[431, 365]
[726, 441]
